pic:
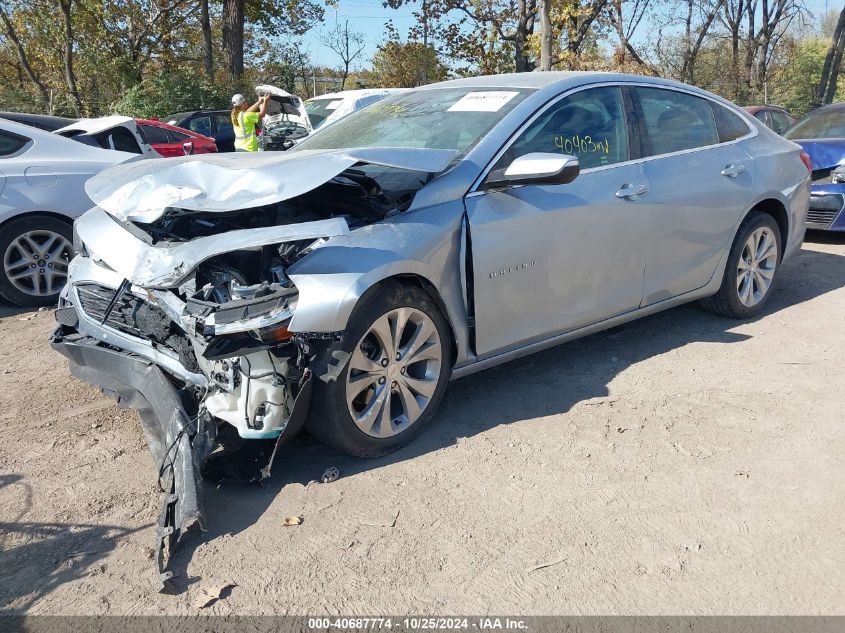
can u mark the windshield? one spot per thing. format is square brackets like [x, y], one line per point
[451, 118]
[319, 110]
[826, 123]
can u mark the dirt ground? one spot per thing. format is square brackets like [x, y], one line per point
[683, 464]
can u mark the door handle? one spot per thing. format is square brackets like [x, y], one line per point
[629, 191]
[732, 170]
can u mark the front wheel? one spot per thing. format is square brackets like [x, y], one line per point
[751, 269]
[397, 352]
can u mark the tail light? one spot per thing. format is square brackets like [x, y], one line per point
[805, 158]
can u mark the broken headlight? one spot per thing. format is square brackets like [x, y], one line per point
[837, 176]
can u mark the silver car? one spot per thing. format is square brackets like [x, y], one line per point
[42, 190]
[437, 233]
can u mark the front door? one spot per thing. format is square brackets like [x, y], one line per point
[552, 258]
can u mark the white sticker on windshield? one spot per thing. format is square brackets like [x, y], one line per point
[333, 105]
[489, 101]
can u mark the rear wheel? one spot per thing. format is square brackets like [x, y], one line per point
[751, 269]
[397, 352]
[36, 251]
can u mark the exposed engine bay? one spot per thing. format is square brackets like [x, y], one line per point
[285, 121]
[205, 296]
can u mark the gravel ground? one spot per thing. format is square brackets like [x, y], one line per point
[683, 464]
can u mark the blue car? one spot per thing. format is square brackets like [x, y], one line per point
[822, 135]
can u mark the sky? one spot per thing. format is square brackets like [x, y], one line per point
[369, 17]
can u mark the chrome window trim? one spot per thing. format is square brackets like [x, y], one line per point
[752, 130]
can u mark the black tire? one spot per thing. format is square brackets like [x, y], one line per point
[13, 230]
[329, 419]
[727, 301]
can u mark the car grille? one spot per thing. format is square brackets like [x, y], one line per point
[820, 218]
[823, 210]
[94, 300]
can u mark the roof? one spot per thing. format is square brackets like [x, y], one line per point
[41, 121]
[768, 106]
[363, 92]
[516, 80]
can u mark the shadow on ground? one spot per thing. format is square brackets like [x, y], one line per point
[543, 384]
[35, 558]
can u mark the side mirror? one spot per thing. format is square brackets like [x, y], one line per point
[535, 169]
[188, 148]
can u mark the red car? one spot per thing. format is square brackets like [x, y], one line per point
[169, 140]
[774, 117]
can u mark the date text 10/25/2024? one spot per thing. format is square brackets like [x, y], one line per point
[419, 623]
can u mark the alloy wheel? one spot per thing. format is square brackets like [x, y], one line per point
[36, 262]
[756, 267]
[393, 372]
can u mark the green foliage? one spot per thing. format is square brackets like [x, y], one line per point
[794, 83]
[167, 92]
[398, 65]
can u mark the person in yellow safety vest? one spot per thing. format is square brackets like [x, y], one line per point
[244, 120]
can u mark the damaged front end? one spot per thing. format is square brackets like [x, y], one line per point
[180, 302]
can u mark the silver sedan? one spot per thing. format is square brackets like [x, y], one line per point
[434, 234]
[42, 190]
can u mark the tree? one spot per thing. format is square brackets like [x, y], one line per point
[233, 37]
[207, 46]
[626, 23]
[66, 6]
[398, 65]
[348, 45]
[546, 35]
[23, 59]
[832, 63]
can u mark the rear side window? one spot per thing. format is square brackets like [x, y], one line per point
[780, 122]
[11, 143]
[729, 125]
[223, 121]
[155, 135]
[177, 137]
[120, 139]
[201, 125]
[674, 121]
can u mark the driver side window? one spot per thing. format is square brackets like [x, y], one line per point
[589, 124]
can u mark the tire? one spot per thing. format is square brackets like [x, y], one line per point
[745, 270]
[412, 382]
[35, 251]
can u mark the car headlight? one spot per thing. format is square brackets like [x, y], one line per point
[837, 176]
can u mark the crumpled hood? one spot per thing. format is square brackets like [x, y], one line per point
[142, 191]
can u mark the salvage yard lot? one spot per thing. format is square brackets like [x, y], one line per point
[684, 463]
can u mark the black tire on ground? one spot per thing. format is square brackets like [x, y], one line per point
[726, 301]
[329, 419]
[8, 234]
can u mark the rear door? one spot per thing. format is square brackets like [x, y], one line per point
[700, 185]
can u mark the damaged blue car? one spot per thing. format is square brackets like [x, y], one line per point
[822, 135]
